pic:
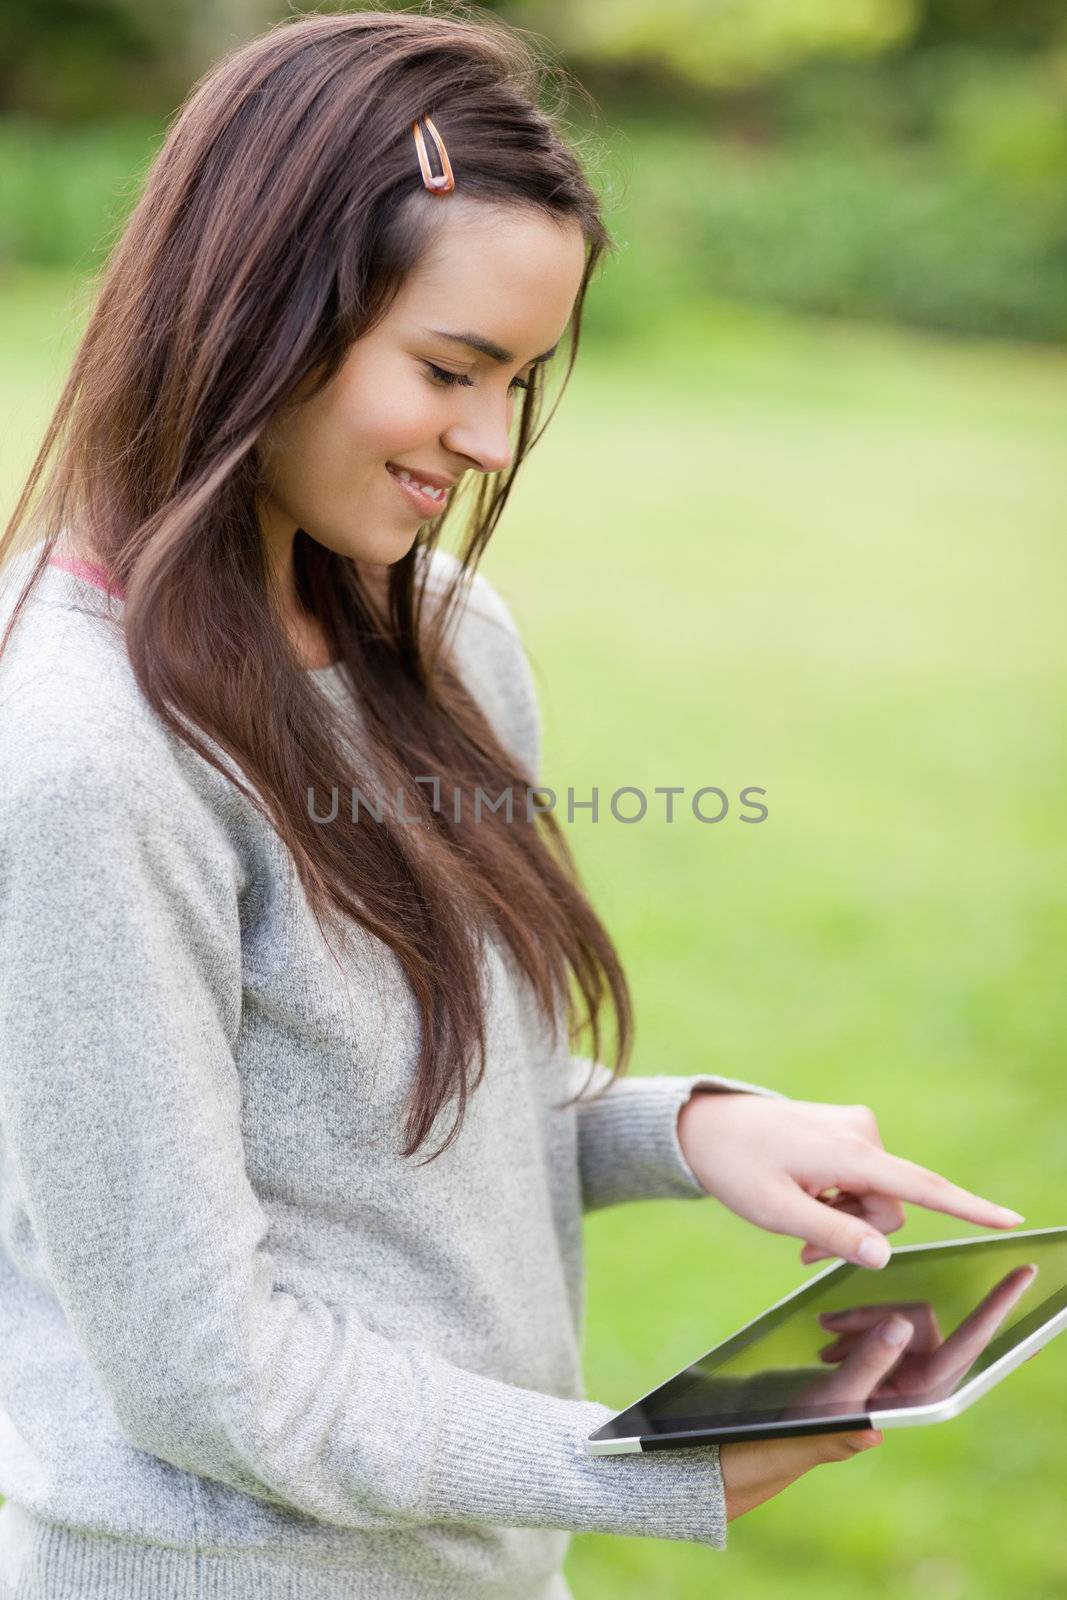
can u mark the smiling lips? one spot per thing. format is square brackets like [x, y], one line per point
[426, 494]
[426, 480]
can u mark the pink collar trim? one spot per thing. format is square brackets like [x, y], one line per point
[88, 571]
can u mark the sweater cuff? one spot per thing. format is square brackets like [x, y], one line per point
[628, 1134]
[703, 1083]
[665, 1494]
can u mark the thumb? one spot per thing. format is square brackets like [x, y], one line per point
[830, 1229]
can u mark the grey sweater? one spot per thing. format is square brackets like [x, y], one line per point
[246, 1349]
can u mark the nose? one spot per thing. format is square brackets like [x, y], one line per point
[484, 440]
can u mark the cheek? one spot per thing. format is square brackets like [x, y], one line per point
[385, 413]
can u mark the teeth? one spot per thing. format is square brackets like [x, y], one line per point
[435, 494]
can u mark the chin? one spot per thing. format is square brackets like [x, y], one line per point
[385, 550]
[380, 549]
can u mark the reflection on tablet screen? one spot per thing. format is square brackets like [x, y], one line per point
[968, 1305]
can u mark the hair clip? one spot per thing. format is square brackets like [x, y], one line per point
[440, 181]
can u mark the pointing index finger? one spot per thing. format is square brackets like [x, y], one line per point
[905, 1180]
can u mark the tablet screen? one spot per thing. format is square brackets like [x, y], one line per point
[968, 1304]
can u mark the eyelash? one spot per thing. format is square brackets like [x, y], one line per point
[450, 379]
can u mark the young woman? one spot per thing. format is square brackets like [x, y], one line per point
[294, 1147]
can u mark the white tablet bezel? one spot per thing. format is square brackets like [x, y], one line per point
[890, 1417]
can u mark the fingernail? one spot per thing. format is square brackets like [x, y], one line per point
[895, 1331]
[1010, 1216]
[873, 1252]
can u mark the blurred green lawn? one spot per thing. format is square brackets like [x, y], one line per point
[829, 562]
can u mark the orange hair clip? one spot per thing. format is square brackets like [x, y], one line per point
[437, 182]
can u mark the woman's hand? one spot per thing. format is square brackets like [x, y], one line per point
[819, 1172]
[752, 1473]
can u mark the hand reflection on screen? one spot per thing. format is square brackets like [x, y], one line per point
[929, 1366]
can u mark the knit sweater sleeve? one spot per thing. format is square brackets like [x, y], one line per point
[120, 1005]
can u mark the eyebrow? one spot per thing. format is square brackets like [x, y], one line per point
[486, 347]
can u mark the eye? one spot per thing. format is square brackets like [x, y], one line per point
[449, 379]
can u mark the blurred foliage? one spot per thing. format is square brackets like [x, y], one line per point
[899, 160]
[723, 45]
[878, 234]
[72, 58]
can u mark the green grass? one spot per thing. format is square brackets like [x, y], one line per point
[829, 562]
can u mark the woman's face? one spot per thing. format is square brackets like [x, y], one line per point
[508, 276]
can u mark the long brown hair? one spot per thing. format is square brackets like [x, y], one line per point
[280, 218]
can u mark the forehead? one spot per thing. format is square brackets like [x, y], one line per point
[511, 273]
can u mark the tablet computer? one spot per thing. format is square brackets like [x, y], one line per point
[978, 1308]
